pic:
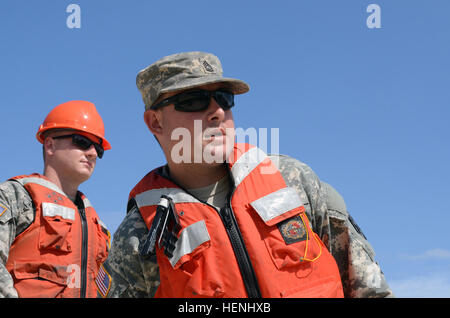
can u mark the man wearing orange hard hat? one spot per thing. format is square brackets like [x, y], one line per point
[52, 242]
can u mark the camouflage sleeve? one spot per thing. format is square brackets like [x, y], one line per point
[16, 214]
[132, 276]
[361, 275]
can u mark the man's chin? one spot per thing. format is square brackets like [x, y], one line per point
[84, 174]
[215, 154]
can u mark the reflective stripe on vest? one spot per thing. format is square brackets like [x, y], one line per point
[52, 209]
[190, 238]
[152, 197]
[246, 163]
[275, 204]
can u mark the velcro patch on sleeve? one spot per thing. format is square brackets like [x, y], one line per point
[103, 281]
[2, 209]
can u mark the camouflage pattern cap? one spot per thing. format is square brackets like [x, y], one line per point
[183, 71]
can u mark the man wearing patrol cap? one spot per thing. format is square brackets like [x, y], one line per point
[239, 226]
[52, 242]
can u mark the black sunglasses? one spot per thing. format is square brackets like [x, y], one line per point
[84, 143]
[198, 100]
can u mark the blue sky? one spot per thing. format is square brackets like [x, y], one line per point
[367, 109]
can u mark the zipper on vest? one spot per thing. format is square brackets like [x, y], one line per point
[237, 242]
[84, 251]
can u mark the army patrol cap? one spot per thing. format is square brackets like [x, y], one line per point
[183, 71]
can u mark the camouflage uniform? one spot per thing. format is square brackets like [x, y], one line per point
[361, 276]
[326, 210]
[17, 213]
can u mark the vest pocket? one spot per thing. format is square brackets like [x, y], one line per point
[55, 232]
[189, 262]
[37, 280]
[292, 246]
[326, 287]
[290, 242]
[103, 241]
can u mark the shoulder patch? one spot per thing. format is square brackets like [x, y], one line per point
[357, 228]
[103, 281]
[2, 209]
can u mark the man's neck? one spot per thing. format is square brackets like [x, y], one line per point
[192, 176]
[68, 187]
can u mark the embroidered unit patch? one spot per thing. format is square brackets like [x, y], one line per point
[292, 230]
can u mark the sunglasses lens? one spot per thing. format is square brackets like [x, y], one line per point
[192, 102]
[199, 100]
[81, 142]
[99, 150]
[224, 99]
[85, 143]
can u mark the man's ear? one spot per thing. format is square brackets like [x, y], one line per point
[153, 119]
[49, 146]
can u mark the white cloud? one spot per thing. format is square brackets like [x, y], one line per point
[435, 285]
[436, 253]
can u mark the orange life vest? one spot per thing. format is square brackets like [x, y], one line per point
[273, 251]
[60, 253]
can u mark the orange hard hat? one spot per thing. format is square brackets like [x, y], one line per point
[76, 114]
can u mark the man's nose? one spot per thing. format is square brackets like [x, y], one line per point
[214, 111]
[91, 152]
